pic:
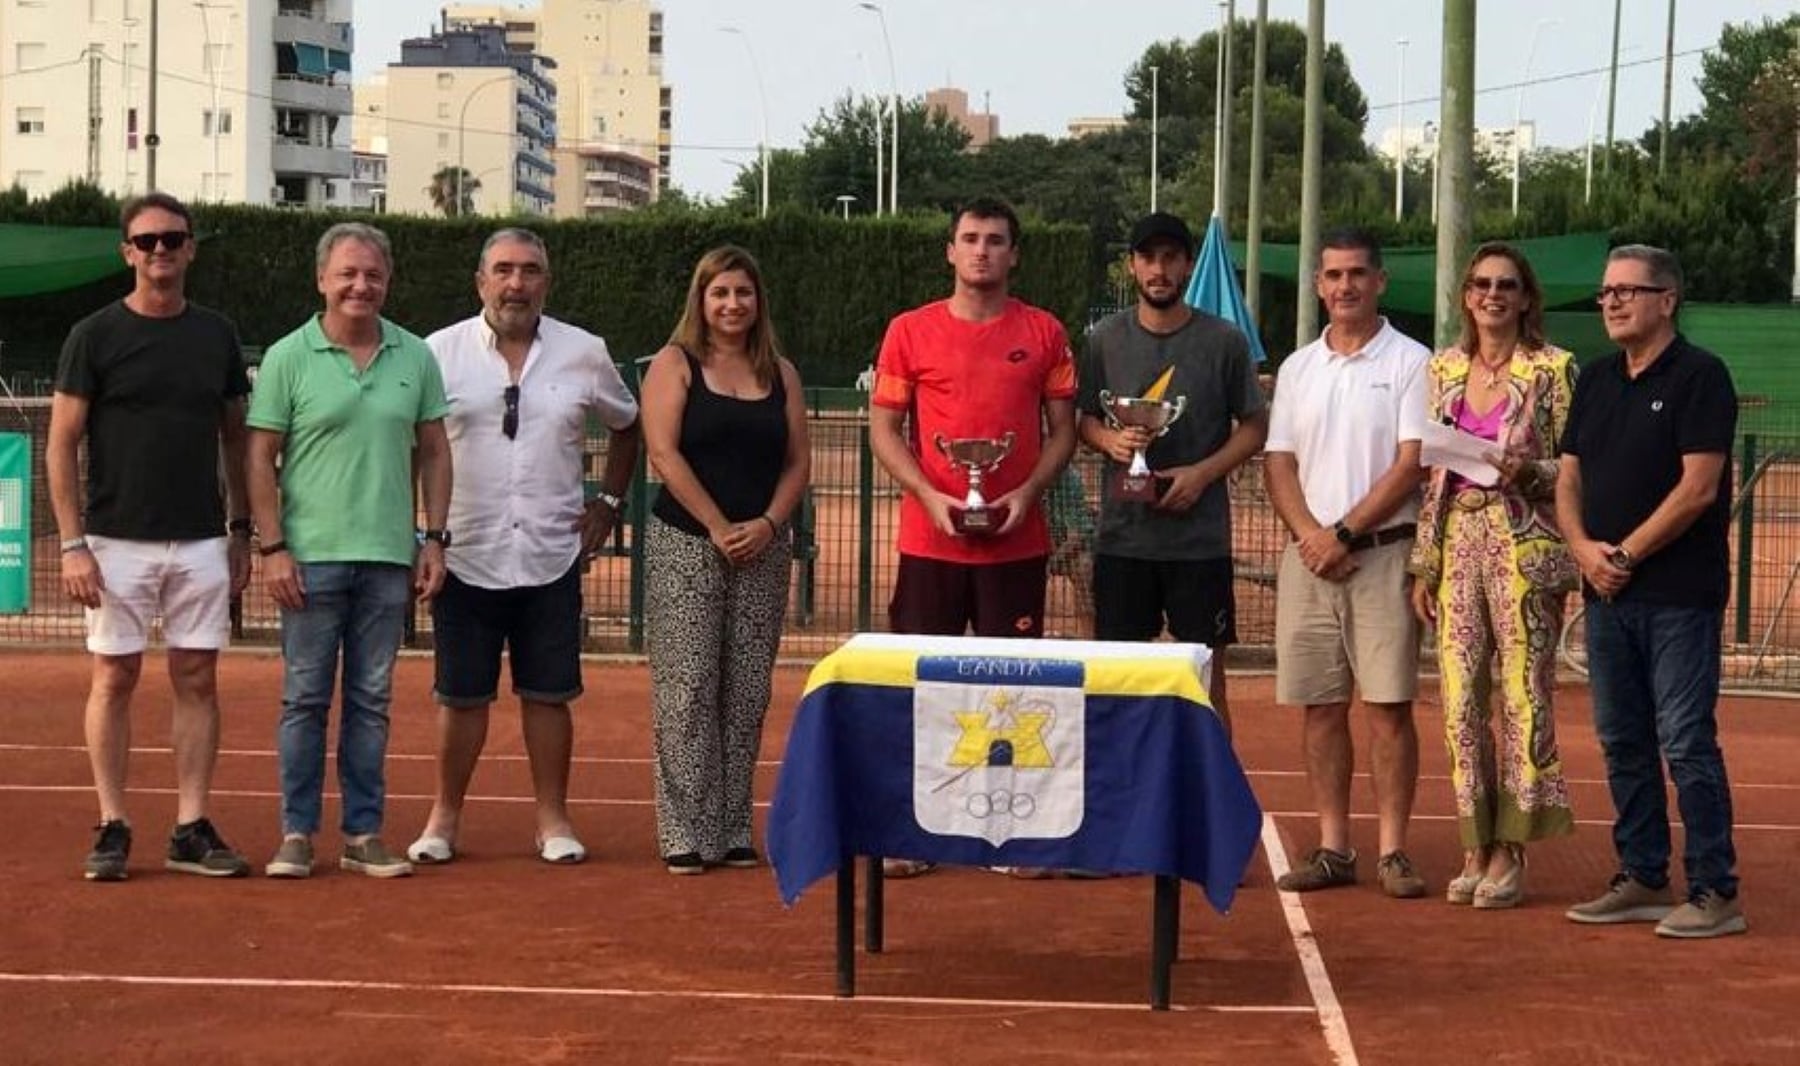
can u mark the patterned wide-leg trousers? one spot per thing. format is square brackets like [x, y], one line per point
[1492, 626]
[713, 631]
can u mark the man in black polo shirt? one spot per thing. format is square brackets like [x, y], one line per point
[156, 385]
[1644, 498]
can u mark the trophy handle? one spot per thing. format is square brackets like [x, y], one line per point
[1006, 446]
[1180, 406]
[943, 445]
[1106, 404]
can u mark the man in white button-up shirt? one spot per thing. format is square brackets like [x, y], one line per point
[521, 387]
[1343, 474]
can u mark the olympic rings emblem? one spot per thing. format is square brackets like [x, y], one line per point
[1001, 801]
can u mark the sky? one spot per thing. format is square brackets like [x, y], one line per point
[1039, 63]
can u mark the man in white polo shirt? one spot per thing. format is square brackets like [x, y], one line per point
[521, 386]
[1343, 474]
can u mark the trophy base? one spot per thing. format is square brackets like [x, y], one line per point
[1142, 488]
[977, 522]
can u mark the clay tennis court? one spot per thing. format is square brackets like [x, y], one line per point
[501, 958]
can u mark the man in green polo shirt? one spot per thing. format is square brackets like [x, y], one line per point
[343, 402]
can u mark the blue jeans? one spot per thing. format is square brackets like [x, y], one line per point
[1655, 677]
[360, 607]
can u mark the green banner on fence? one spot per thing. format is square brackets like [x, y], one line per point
[15, 523]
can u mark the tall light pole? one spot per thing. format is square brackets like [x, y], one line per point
[462, 129]
[1155, 116]
[1519, 107]
[212, 71]
[1400, 141]
[762, 149]
[1662, 144]
[880, 116]
[894, 84]
[151, 139]
[1612, 88]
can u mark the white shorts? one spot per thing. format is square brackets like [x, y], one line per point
[187, 583]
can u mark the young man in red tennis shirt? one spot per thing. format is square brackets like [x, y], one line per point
[980, 364]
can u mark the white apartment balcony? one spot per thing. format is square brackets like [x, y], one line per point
[294, 158]
[299, 29]
[304, 95]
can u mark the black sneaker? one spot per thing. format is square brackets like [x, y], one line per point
[195, 848]
[686, 863]
[111, 848]
[741, 859]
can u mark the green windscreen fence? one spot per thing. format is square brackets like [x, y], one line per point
[1568, 268]
[40, 259]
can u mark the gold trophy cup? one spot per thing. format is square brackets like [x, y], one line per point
[1136, 482]
[977, 456]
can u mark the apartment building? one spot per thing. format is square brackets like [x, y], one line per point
[981, 126]
[251, 103]
[614, 113]
[461, 99]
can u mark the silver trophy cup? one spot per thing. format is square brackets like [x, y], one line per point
[1136, 482]
[977, 456]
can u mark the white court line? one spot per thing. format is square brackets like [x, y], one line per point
[763, 764]
[306, 984]
[1312, 963]
[574, 801]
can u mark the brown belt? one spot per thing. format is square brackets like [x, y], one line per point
[1376, 538]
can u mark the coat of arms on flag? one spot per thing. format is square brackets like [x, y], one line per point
[999, 747]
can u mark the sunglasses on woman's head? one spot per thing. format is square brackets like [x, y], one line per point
[146, 242]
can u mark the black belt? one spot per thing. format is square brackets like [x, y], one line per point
[1376, 538]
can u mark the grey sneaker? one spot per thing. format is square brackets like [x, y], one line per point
[293, 859]
[1395, 874]
[1706, 914]
[197, 848]
[112, 846]
[372, 858]
[1626, 900]
[1324, 868]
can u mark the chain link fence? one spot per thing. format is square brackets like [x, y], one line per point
[845, 560]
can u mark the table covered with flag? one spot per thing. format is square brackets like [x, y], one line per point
[985, 752]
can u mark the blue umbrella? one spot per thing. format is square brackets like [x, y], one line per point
[1214, 287]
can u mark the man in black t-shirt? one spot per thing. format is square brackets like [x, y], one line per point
[156, 385]
[1644, 499]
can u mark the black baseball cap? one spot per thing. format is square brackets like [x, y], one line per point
[1160, 225]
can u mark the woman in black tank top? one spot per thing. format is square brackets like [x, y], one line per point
[725, 428]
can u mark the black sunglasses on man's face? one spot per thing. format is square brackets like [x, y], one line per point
[146, 242]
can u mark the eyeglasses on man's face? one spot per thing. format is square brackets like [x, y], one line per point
[509, 422]
[1486, 284]
[146, 242]
[1625, 293]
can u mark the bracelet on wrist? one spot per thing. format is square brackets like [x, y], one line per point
[275, 548]
[773, 527]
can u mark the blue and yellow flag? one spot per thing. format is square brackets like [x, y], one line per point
[1053, 759]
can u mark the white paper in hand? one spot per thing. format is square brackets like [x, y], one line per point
[1462, 453]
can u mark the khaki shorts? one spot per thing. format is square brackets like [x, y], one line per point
[185, 583]
[1334, 637]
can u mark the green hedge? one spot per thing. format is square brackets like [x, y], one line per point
[833, 284]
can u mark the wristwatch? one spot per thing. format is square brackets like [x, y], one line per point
[1344, 536]
[74, 544]
[442, 536]
[240, 527]
[1621, 558]
[617, 503]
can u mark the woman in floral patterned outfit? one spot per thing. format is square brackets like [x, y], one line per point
[1493, 572]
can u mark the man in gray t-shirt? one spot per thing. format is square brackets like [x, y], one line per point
[1168, 559]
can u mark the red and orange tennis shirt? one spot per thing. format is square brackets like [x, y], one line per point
[974, 379]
